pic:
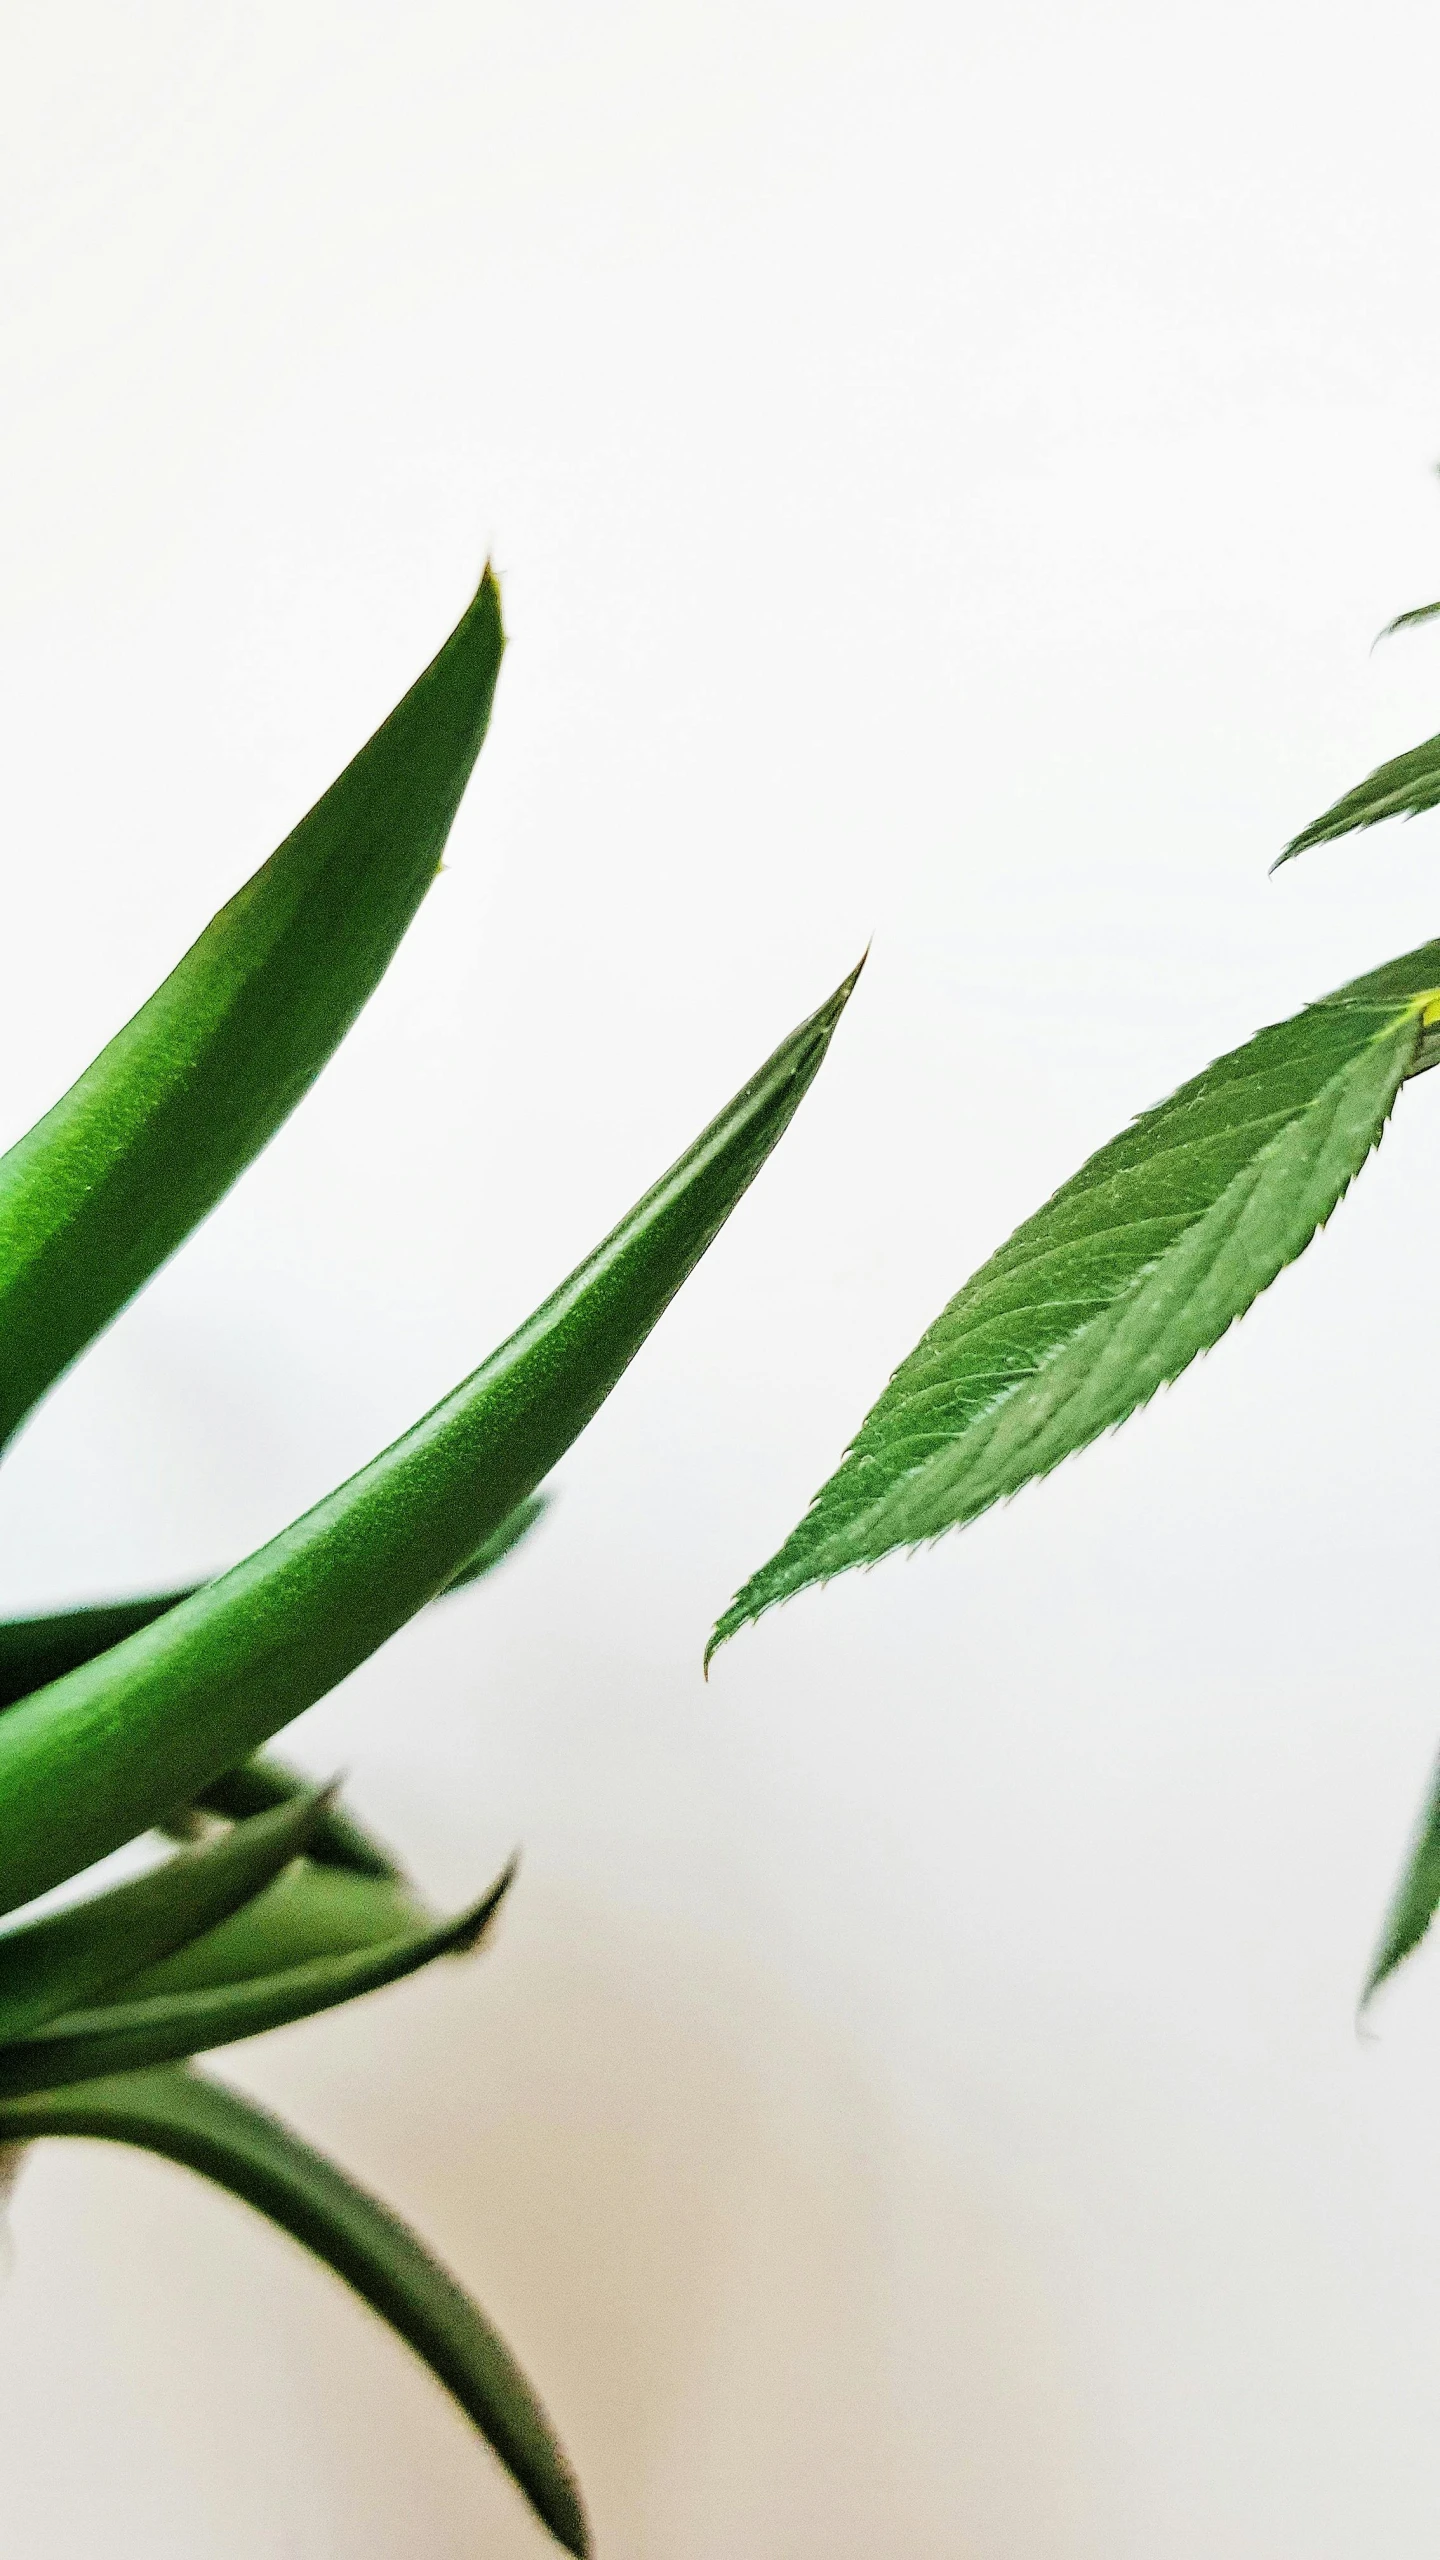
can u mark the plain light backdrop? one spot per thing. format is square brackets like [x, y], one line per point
[946, 467]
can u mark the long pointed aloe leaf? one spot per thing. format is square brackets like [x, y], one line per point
[111, 1748]
[133, 2035]
[1402, 788]
[140, 1149]
[224, 2138]
[34, 1651]
[307, 1916]
[492, 1551]
[336, 1839]
[70, 1957]
[1141, 1261]
[1415, 1898]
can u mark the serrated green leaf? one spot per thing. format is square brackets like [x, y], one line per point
[139, 1150]
[1414, 1900]
[1410, 621]
[73, 1956]
[308, 1914]
[1142, 1260]
[111, 1748]
[134, 2034]
[222, 2137]
[1402, 788]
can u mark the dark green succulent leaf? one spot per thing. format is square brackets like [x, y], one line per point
[494, 1549]
[1417, 614]
[1108, 1292]
[73, 1956]
[337, 1839]
[1399, 789]
[1414, 1900]
[139, 1150]
[35, 1651]
[222, 2137]
[133, 2034]
[309, 1914]
[114, 1746]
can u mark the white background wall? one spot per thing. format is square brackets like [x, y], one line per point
[947, 467]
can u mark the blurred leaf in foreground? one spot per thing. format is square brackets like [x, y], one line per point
[224, 2138]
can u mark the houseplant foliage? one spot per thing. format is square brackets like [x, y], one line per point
[1143, 1259]
[146, 1719]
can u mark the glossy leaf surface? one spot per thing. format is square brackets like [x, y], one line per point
[1402, 788]
[134, 2034]
[72, 1956]
[1140, 1262]
[224, 2138]
[107, 1751]
[105, 1187]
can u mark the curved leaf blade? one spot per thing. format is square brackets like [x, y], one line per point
[102, 1190]
[135, 2035]
[1414, 1900]
[1143, 1260]
[112, 1747]
[502, 1542]
[225, 2138]
[309, 1914]
[1402, 788]
[71, 1957]
[35, 1651]
[1410, 621]
[336, 1839]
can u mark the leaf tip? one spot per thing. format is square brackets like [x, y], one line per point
[847, 986]
[473, 1926]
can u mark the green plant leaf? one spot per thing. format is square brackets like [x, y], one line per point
[502, 1542]
[224, 2138]
[1109, 1291]
[337, 1839]
[308, 1914]
[70, 1957]
[1400, 789]
[1413, 1902]
[1417, 614]
[105, 1187]
[111, 1748]
[134, 2034]
[34, 1651]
